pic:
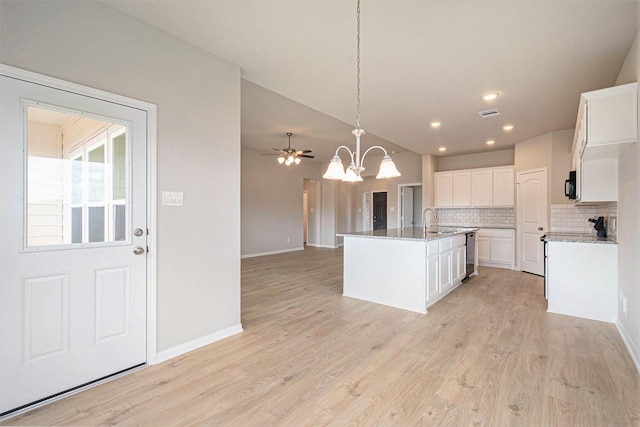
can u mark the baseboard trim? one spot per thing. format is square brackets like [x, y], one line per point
[181, 349]
[633, 350]
[326, 246]
[281, 251]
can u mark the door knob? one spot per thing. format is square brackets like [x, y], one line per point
[138, 250]
[138, 232]
[540, 228]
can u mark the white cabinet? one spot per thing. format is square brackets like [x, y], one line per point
[445, 266]
[606, 127]
[582, 280]
[503, 186]
[453, 189]
[478, 188]
[443, 182]
[495, 247]
[483, 188]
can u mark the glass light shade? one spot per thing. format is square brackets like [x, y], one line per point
[335, 169]
[297, 160]
[288, 161]
[281, 160]
[351, 176]
[387, 169]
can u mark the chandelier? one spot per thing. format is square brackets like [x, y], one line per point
[336, 170]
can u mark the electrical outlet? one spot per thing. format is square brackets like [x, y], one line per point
[624, 305]
[288, 239]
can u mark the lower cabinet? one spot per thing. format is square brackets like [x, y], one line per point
[445, 266]
[495, 247]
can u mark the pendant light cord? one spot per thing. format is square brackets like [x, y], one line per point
[358, 70]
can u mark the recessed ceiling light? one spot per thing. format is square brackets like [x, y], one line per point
[507, 127]
[490, 142]
[490, 96]
[435, 124]
[442, 148]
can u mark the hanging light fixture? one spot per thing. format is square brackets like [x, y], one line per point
[289, 156]
[336, 170]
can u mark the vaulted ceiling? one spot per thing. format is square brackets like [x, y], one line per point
[422, 60]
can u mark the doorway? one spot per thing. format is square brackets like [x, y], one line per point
[410, 205]
[75, 287]
[532, 219]
[379, 210]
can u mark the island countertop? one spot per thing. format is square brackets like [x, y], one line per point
[411, 233]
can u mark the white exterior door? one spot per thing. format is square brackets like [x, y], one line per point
[73, 292]
[532, 219]
[407, 207]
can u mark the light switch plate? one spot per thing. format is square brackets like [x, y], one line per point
[172, 198]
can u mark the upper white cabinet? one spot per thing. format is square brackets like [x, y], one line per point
[453, 189]
[486, 187]
[607, 122]
[607, 125]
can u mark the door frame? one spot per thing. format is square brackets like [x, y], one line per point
[413, 184]
[151, 112]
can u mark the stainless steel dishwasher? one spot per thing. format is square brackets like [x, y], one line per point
[471, 253]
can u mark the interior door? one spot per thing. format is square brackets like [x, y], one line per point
[407, 207]
[73, 290]
[380, 210]
[532, 219]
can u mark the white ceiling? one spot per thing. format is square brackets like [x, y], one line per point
[422, 60]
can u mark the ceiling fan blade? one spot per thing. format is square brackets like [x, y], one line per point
[277, 149]
[307, 156]
[303, 151]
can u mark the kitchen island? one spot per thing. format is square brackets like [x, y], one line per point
[404, 267]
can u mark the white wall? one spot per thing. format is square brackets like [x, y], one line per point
[478, 160]
[629, 220]
[198, 99]
[272, 203]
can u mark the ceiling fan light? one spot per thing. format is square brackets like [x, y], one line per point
[335, 169]
[297, 160]
[387, 169]
[288, 161]
[281, 160]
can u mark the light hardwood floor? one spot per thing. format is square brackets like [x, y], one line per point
[488, 354]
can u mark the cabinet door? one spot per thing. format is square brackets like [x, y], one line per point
[444, 189]
[484, 248]
[483, 188]
[433, 277]
[503, 187]
[446, 279]
[599, 180]
[612, 118]
[502, 250]
[461, 263]
[462, 189]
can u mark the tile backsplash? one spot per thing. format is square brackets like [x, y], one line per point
[486, 217]
[575, 218]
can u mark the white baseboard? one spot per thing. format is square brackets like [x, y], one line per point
[281, 251]
[325, 246]
[178, 350]
[633, 350]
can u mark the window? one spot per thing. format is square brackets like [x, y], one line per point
[77, 179]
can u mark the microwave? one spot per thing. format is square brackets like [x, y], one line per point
[570, 186]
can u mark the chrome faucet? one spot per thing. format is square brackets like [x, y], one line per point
[424, 219]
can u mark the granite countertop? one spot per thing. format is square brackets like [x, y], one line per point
[578, 238]
[411, 233]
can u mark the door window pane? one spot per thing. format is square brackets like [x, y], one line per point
[77, 178]
[120, 222]
[119, 167]
[96, 224]
[76, 225]
[96, 174]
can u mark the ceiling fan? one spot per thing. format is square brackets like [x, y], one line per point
[290, 155]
